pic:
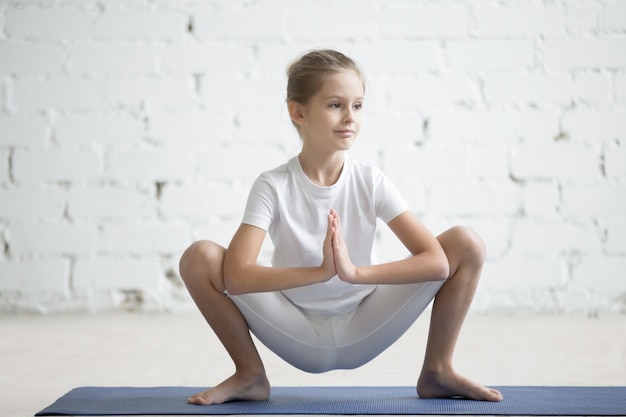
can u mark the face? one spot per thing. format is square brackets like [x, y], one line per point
[331, 120]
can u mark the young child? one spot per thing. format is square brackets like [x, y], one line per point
[324, 304]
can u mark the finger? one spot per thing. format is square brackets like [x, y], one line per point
[337, 223]
[330, 225]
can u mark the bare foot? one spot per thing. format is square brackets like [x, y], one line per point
[447, 385]
[235, 388]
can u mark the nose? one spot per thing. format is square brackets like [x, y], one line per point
[348, 116]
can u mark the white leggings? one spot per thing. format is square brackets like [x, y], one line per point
[318, 343]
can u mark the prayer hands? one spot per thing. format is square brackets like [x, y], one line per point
[336, 258]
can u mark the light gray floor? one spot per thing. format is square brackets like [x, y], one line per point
[41, 358]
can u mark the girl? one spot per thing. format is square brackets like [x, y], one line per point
[324, 304]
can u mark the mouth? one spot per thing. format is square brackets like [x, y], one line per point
[345, 132]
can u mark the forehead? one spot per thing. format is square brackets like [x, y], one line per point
[344, 83]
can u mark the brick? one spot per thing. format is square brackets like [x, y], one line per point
[203, 201]
[531, 237]
[525, 273]
[48, 23]
[272, 59]
[615, 161]
[431, 90]
[38, 276]
[541, 199]
[593, 125]
[212, 59]
[20, 131]
[594, 200]
[601, 274]
[29, 203]
[481, 199]
[615, 15]
[392, 128]
[116, 274]
[489, 162]
[57, 239]
[490, 54]
[396, 57]
[534, 88]
[240, 23]
[229, 94]
[220, 231]
[239, 163]
[496, 235]
[61, 93]
[183, 129]
[84, 129]
[584, 53]
[426, 164]
[519, 21]
[423, 22]
[109, 203]
[112, 59]
[139, 24]
[149, 165]
[540, 125]
[144, 239]
[620, 88]
[581, 17]
[555, 161]
[341, 22]
[42, 166]
[592, 88]
[4, 168]
[161, 93]
[615, 235]
[473, 126]
[20, 58]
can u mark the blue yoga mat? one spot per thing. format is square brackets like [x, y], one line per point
[544, 401]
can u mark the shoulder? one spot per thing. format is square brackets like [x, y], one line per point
[364, 171]
[273, 181]
[274, 175]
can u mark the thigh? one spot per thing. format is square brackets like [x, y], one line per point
[298, 338]
[380, 320]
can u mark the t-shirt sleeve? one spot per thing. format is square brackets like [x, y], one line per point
[261, 204]
[388, 200]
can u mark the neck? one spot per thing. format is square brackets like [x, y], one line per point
[322, 170]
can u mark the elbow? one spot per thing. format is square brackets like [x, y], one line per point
[232, 284]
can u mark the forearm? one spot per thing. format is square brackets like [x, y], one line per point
[418, 268]
[257, 278]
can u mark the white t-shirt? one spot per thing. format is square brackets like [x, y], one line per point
[284, 202]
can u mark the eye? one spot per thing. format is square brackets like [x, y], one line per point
[335, 105]
[358, 106]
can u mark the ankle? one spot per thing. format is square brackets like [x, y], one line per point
[437, 369]
[251, 373]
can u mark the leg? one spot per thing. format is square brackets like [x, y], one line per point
[201, 270]
[466, 253]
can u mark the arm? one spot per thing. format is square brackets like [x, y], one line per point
[243, 275]
[427, 263]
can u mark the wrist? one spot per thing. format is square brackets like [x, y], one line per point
[323, 274]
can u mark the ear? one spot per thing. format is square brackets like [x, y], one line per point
[296, 112]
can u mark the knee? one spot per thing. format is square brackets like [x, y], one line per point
[469, 244]
[198, 259]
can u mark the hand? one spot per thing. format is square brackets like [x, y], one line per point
[328, 261]
[343, 265]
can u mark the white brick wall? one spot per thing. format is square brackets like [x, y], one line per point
[130, 129]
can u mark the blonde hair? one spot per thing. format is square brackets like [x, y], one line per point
[306, 75]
